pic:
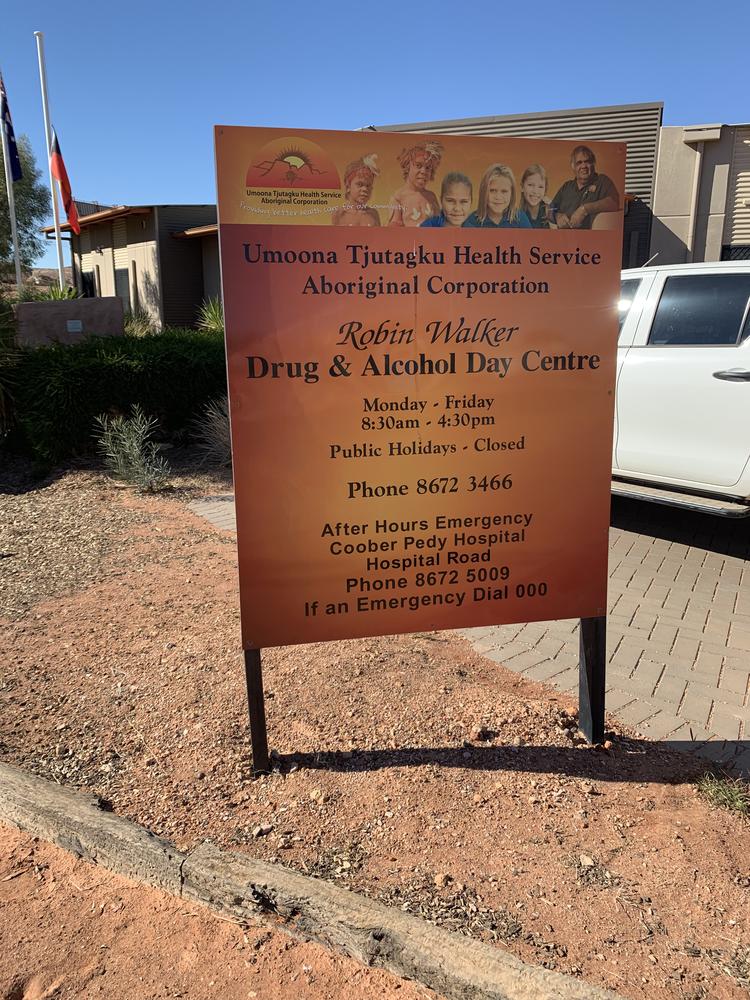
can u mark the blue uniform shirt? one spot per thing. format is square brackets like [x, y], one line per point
[434, 222]
[522, 222]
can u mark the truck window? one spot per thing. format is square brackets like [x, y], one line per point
[628, 292]
[701, 309]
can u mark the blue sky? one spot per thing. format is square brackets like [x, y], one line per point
[136, 88]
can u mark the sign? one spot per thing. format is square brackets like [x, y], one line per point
[421, 343]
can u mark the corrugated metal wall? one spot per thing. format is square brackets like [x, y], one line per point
[636, 124]
[181, 261]
[89, 207]
[737, 219]
[85, 264]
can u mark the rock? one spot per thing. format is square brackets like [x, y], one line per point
[517, 741]
[262, 831]
[586, 862]
[442, 880]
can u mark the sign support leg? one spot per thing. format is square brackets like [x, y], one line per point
[592, 677]
[257, 711]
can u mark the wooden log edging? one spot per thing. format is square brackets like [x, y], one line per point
[237, 885]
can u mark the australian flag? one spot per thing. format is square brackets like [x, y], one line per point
[15, 164]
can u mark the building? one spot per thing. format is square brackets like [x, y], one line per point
[638, 125]
[687, 187]
[702, 199]
[141, 253]
[687, 199]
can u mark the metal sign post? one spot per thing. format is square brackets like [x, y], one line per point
[592, 680]
[257, 711]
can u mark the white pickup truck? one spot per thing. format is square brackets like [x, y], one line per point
[682, 419]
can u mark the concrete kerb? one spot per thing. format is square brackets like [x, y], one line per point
[239, 886]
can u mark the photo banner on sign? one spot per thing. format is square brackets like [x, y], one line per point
[421, 343]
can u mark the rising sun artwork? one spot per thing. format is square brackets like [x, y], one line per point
[292, 162]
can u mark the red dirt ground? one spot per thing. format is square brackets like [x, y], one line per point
[408, 767]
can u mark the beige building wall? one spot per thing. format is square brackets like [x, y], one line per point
[144, 280]
[692, 192]
[102, 259]
[128, 244]
[737, 224]
[143, 264]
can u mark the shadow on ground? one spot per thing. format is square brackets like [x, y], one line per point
[636, 760]
[723, 535]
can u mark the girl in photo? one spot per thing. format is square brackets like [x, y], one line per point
[455, 202]
[533, 190]
[498, 202]
[359, 178]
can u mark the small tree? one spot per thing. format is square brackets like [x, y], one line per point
[33, 207]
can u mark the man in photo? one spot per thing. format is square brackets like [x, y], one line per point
[579, 201]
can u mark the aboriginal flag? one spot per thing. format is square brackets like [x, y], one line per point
[15, 164]
[57, 166]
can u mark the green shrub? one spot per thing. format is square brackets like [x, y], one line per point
[138, 323]
[9, 356]
[211, 432]
[129, 451]
[53, 293]
[724, 792]
[8, 361]
[211, 316]
[59, 390]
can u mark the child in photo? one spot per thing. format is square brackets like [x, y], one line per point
[455, 202]
[359, 178]
[498, 202]
[413, 203]
[533, 190]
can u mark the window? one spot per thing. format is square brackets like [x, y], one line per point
[122, 286]
[628, 291]
[701, 309]
[88, 284]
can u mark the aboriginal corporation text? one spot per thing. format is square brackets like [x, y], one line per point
[362, 256]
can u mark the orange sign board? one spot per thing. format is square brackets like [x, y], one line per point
[421, 377]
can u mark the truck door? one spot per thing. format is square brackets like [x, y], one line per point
[683, 392]
[634, 290]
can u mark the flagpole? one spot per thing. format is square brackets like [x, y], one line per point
[11, 205]
[48, 133]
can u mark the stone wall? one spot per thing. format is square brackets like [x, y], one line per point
[68, 321]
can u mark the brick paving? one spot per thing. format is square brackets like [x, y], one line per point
[678, 636]
[219, 510]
